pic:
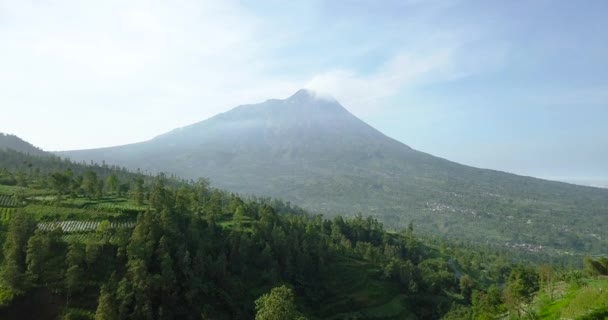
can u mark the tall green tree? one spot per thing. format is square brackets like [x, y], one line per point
[138, 190]
[99, 189]
[522, 284]
[106, 307]
[75, 273]
[466, 285]
[60, 183]
[20, 229]
[112, 184]
[38, 248]
[239, 215]
[90, 183]
[45, 259]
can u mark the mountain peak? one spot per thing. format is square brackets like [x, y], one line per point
[309, 95]
[303, 93]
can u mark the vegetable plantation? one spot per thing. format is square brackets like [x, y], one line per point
[5, 214]
[81, 226]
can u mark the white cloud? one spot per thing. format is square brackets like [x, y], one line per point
[364, 93]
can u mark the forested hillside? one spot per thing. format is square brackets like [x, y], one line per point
[77, 245]
[9, 141]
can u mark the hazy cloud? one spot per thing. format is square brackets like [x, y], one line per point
[365, 92]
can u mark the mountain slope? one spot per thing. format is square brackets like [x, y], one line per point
[9, 141]
[312, 151]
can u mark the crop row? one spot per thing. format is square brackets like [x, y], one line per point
[8, 201]
[81, 226]
[5, 214]
[117, 207]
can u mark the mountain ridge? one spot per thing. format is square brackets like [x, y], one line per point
[11, 141]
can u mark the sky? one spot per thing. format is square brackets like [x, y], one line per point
[518, 86]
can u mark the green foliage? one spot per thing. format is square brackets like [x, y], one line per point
[138, 191]
[90, 183]
[12, 272]
[523, 283]
[596, 267]
[5, 214]
[78, 314]
[589, 301]
[113, 184]
[106, 308]
[6, 296]
[466, 284]
[595, 314]
[104, 227]
[279, 304]
[53, 213]
[75, 261]
[488, 304]
[60, 183]
[45, 259]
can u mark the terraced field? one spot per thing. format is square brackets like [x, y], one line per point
[78, 218]
[8, 201]
[5, 214]
[81, 226]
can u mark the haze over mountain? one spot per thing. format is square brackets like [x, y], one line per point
[310, 150]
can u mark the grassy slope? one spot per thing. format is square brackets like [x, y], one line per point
[577, 301]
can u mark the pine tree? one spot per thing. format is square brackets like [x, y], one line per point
[20, 228]
[106, 307]
[239, 215]
[138, 190]
[112, 183]
[90, 184]
[37, 252]
[75, 273]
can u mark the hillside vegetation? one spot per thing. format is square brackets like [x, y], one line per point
[99, 242]
[78, 246]
[584, 299]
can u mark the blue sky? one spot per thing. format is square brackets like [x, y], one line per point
[520, 86]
